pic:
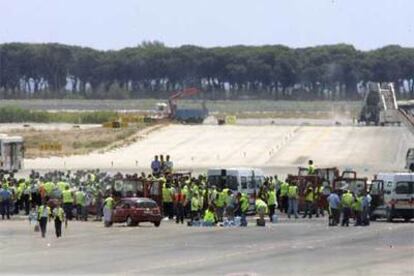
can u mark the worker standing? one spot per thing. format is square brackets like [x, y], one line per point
[195, 206]
[169, 165]
[43, 216]
[346, 202]
[311, 168]
[167, 200]
[156, 166]
[244, 207]
[220, 202]
[334, 203]
[67, 202]
[284, 186]
[98, 204]
[357, 208]
[5, 196]
[59, 215]
[309, 198]
[26, 198]
[81, 205]
[293, 200]
[271, 202]
[107, 210]
[179, 201]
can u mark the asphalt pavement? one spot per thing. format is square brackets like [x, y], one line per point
[289, 247]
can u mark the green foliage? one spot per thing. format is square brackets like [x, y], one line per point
[153, 70]
[12, 114]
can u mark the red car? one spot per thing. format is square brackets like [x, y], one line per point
[134, 210]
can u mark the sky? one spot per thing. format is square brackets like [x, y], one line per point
[116, 24]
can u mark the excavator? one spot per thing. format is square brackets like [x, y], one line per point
[184, 115]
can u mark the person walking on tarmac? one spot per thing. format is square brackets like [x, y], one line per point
[309, 198]
[43, 216]
[293, 200]
[346, 202]
[59, 215]
[67, 202]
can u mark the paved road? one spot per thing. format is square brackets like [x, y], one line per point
[297, 247]
[274, 148]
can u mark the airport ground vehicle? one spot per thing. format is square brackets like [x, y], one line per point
[11, 153]
[183, 115]
[409, 160]
[380, 105]
[393, 196]
[244, 180]
[349, 180]
[133, 210]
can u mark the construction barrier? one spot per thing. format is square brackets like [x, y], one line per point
[131, 118]
[231, 120]
[51, 147]
[115, 124]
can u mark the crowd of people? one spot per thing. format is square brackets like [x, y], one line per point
[63, 196]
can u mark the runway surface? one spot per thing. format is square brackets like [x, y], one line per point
[273, 148]
[295, 247]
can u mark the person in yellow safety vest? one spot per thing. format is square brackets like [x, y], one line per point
[20, 187]
[284, 199]
[320, 201]
[220, 203]
[61, 185]
[309, 200]
[186, 204]
[59, 215]
[80, 197]
[244, 208]
[26, 198]
[311, 168]
[43, 215]
[293, 200]
[271, 202]
[357, 208]
[209, 218]
[346, 202]
[167, 201]
[67, 199]
[261, 209]
[195, 207]
[107, 210]
[49, 186]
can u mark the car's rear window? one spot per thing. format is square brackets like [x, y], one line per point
[404, 188]
[147, 204]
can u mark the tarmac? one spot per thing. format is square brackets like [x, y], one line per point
[274, 148]
[289, 247]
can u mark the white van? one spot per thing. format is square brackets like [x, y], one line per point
[396, 194]
[244, 180]
[11, 153]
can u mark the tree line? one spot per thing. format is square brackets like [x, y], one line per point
[238, 72]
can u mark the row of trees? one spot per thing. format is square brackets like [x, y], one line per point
[154, 70]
